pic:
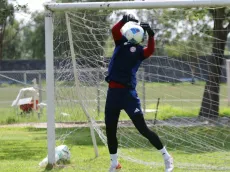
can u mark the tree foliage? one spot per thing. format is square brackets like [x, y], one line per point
[28, 41]
[89, 38]
[192, 33]
[33, 38]
[12, 47]
[9, 30]
[176, 27]
[6, 17]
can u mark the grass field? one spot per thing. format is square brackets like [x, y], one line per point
[10, 115]
[180, 100]
[21, 150]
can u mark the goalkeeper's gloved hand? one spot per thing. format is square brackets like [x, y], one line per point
[147, 29]
[126, 18]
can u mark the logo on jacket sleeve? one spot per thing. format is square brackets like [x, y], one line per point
[133, 49]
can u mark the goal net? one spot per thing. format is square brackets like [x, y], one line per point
[178, 85]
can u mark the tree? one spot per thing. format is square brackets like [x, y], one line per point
[89, 36]
[197, 31]
[6, 17]
[221, 29]
[12, 46]
[179, 31]
[33, 37]
[10, 30]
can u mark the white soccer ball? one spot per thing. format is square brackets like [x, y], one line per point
[62, 152]
[134, 33]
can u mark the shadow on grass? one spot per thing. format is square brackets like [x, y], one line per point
[19, 144]
[21, 150]
[71, 136]
[58, 167]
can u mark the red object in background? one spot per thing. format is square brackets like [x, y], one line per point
[29, 107]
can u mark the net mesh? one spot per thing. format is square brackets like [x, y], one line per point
[174, 77]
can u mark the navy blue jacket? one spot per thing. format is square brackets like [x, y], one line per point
[125, 62]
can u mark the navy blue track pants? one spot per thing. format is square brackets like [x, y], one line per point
[125, 99]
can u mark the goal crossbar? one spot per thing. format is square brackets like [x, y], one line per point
[136, 4]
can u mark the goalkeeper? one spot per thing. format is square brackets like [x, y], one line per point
[122, 94]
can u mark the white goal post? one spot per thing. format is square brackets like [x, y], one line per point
[136, 4]
[51, 7]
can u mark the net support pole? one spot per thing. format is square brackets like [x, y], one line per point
[50, 86]
[77, 85]
[228, 79]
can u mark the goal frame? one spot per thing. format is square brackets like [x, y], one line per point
[50, 8]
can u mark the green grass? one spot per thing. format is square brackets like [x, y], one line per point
[179, 100]
[21, 150]
[166, 111]
[11, 116]
[165, 91]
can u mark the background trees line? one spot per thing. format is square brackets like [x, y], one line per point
[26, 41]
[205, 32]
[19, 40]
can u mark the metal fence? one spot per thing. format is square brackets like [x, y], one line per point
[12, 81]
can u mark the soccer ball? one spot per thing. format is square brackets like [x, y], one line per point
[134, 33]
[62, 153]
